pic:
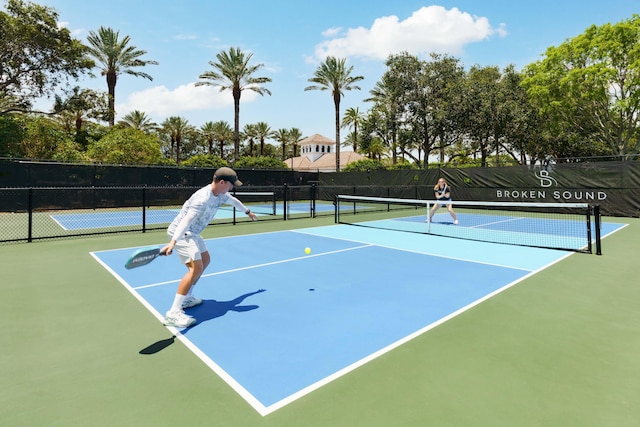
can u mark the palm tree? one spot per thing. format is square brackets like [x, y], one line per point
[114, 57]
[350, 140]
[250, 133]
[377, 148]
[233, 72]
[176, 127]
[222, 133]
[295, 135]
[333, 75]
[207, 131]
[78, 105]
[138, 120]
[352, 118]
[263, 131]
[283, 137]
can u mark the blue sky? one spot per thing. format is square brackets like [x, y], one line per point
[291, 37]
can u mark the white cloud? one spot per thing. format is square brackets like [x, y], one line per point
[332, 32]
[160, 102]
[502, 30]
[429, 29]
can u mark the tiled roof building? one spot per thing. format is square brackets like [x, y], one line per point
[317, 154]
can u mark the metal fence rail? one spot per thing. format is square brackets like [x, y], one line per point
[31, 214]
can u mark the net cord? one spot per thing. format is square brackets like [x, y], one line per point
[465, 203]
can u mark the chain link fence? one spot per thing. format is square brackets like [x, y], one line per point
[30, 214]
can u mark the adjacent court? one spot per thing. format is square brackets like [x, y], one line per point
[102, 219]
[276, 323]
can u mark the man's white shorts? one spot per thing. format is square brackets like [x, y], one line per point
[190, 248]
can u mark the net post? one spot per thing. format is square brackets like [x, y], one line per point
[144, 209]
[596, 215]
[284, 201]
[336, 205]
[234, 208]
[274, 203]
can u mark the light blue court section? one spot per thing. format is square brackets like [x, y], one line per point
[524, 231]
[509, 256]
[277, 324]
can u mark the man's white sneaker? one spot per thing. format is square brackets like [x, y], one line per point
[191, 301]
[178, 319]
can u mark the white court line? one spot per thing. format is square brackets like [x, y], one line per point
[258, 265]
[497, 222]
[58, 222]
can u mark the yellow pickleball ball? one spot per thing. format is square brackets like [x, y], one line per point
[307, 250]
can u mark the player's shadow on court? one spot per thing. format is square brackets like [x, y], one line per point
[209, 309]
[212, 309]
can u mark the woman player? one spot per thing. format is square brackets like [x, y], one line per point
[443, 194]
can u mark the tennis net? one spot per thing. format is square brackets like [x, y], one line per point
[566, 226]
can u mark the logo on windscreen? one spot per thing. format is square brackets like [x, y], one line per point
[546, 180]
[541, 194]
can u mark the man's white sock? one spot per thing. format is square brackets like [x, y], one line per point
[177, 302]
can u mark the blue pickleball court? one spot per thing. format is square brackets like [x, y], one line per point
[277, 324]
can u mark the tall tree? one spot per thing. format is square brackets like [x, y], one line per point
[208, 132]
[233, 72]
[521, 132]
[250, 133]
[588, 89]
[36, 54]
[334, 75]
[352, 119]
[263, 131]
[81, 104]
[482, 104]
[114, 57]
[295, 135]
[283, 137]
[439, 105]
[386, 114]
[176, 127]
[222, 133]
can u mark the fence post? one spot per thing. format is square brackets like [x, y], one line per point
[596, 214]
[313, 200]
[30, 210]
